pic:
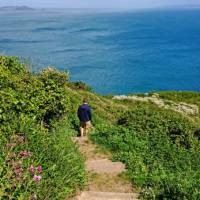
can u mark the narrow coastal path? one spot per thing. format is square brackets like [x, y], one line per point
[106, 178]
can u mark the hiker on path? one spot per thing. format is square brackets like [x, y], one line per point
[85, 115]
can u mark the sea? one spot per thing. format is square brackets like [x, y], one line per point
[115, 52]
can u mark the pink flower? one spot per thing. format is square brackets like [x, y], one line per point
[17, 165]
[11, 145]
[25, 154]
[18, 178]
[18, 171]
[39, 169]
[37, 178]
[31, 169]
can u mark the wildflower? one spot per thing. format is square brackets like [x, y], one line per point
[25, 154]
[17, 165]
[37, 178]
[19, 178]
[11, 145]
[31, 169]
[18, 171]
[39, 169]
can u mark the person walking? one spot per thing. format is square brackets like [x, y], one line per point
[85, 116]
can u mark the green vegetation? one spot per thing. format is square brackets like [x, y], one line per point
[37, 157]
[79, 86]
[187, 97]
[160, 147]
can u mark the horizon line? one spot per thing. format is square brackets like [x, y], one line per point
[113, 8]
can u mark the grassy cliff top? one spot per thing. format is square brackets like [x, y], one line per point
[154, 135]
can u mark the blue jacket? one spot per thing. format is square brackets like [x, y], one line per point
[84, 113]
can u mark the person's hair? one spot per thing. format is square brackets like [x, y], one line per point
[85, 100]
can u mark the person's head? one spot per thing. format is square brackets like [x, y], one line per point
[85, 100]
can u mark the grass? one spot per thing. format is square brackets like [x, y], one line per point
[159, 147]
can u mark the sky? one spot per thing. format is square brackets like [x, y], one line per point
[100, 3]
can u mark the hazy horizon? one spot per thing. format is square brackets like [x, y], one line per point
[112, 4]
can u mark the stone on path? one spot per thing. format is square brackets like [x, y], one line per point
[107, 196]
[104, 182]
[105, 166]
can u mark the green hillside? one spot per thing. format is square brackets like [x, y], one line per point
[159, 146]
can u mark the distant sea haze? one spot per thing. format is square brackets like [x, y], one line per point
[114, 52]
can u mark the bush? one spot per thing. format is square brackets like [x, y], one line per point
[159, 149]
[32, 135]
[79, 86]
[42, 96]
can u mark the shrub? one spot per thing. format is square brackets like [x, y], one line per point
[42, 96]
[79, 86]
[32, 135]
[158, 147]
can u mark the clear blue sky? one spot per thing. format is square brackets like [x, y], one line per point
[100, 3]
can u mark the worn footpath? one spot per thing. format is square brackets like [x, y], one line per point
[107, 180]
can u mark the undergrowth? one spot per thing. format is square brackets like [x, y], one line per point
[38, 117]
[160, 150]
[38, 160]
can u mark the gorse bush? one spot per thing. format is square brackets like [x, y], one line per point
[37, 157]
[159, 149]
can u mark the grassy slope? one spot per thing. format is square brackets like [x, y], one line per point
[188, 97]
[130, 142]
[105, 108]
[142, 125]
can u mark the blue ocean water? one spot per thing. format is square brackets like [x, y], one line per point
[114, 52]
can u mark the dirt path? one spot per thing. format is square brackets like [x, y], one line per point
[107, 180]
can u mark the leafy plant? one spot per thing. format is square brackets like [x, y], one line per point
[159, 149]
[33, 131]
